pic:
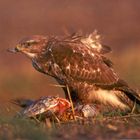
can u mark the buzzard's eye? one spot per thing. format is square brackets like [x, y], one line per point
[30, 42]
[25, 45]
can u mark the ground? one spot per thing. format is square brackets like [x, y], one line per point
[99, 128]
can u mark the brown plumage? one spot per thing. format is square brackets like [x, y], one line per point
[79, 62]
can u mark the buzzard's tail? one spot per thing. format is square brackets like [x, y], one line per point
[132, 94]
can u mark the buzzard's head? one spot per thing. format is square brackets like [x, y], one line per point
[31, 46]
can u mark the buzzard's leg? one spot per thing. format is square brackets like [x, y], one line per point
[73, 94]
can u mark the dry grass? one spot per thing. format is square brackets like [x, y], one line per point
[99, 128]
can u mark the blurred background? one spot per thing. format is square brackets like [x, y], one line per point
[117, 21]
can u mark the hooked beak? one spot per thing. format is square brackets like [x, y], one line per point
[14, 50]
[19, 48]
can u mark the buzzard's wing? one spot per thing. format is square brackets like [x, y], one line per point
[80, 63]
[92, 42]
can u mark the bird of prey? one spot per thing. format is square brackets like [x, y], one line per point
[79, 62]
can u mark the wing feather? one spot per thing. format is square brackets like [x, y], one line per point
[80, 63]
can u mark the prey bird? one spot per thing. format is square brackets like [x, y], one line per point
[79, 62]
[53, 108]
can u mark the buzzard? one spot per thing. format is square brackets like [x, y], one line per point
[79, 62]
